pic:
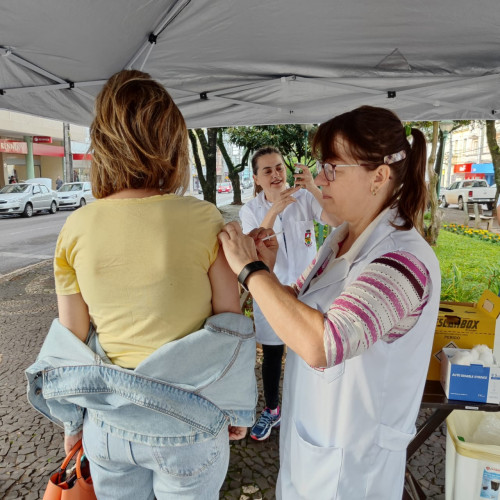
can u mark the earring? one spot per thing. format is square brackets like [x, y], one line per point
[374, 192]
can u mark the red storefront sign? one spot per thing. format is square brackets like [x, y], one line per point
[82, 156]
[42, 138]
[44, 150]
[20, 148]
[462, 168]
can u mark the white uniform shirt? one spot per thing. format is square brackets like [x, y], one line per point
[345, 429]
[297, 244]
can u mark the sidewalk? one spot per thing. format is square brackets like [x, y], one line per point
[31, 447]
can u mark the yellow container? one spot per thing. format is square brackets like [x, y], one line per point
[464, 325]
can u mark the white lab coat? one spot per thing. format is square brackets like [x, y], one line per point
[297, 246]
[344, 430]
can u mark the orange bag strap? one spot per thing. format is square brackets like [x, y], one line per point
[79, 463]
[78, 446]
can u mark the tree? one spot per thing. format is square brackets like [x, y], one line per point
[289, 139]
[491, 136]
[208, 144]
[435, 136]
[233, 170]
[431, 231]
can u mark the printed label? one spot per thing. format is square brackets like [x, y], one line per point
[307, 238]
[490, 487]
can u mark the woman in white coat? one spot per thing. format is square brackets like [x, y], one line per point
[291, 213]
[359, 322]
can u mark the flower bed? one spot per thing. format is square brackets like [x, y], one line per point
[479, 234]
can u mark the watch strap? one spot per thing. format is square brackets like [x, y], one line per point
[250, 268]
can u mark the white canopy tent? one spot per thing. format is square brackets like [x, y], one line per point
[237, 62]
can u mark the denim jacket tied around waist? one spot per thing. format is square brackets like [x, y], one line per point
[187, 391]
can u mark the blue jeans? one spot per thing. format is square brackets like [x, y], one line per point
[125, 469]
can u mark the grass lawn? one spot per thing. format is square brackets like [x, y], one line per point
[468, 266]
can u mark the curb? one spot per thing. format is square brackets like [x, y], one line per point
[13, 274]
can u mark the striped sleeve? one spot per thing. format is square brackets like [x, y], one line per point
[299, 284]
[384, 303]
[302, 278]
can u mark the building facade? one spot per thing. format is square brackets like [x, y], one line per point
[34, 147]
[467, 155]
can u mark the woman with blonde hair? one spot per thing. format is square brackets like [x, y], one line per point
[154, 386]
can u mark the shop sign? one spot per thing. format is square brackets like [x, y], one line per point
[461, 168]
[45, 150]
[19, 148]
[42, 138]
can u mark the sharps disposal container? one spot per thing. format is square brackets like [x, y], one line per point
[472, 468]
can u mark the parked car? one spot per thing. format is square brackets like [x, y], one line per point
[469, 191]
[246, 183]
[75, 194]
[26, 198]
[225, 187]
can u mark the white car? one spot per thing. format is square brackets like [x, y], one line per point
[469, 191]
[75, 194]
[27, 198]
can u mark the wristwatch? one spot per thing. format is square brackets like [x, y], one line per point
[250, 268]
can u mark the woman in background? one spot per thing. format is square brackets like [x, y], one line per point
[291, 213]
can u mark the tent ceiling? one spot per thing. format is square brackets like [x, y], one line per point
[236, 62]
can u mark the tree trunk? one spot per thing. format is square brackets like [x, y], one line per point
[432, 230]
[197, 159]
[438, 165]
[491, 135]
[208, 145]
[233, 170]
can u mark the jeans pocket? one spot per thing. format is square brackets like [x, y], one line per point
[95, 441]
[191, 459]
[315, 470]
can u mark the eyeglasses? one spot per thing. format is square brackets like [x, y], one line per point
[329, 169]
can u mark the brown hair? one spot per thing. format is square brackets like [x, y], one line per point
[372, 134]
[265, 150]
[138, 137]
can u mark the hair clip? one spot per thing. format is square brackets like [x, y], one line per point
[395, 157]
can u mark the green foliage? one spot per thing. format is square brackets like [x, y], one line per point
[289, 139]
[468, 267]
[478, 234]
[326, 232]
[426, 127]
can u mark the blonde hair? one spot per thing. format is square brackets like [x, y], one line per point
[138, 137]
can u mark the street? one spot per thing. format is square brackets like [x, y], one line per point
[27, 241]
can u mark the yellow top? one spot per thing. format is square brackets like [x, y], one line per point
[141, 266]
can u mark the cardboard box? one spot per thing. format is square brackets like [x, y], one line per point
[463, 326]
[469, 383]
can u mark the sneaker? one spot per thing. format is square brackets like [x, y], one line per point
[262, 428]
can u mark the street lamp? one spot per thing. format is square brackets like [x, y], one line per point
[446, 127]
